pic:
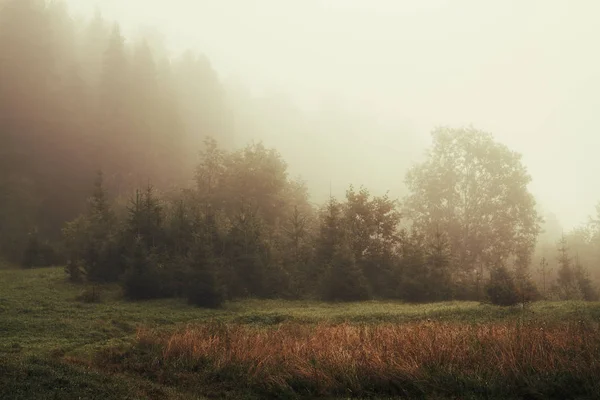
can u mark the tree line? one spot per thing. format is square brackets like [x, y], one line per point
[76, 98]
[466, 231]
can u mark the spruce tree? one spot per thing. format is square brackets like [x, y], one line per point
[526, 288]
[141, 280]
[246, 253]
[203, 288]
[413, 268]
[584, 283]
[344, 280]
[438, 266]
[91, 240]
[501, 288]
[341, 278]
[566, 280]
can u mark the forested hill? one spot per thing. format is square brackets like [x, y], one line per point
[75, 98]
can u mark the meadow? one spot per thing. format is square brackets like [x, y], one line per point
[66, 341]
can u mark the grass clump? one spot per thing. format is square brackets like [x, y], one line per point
[415, 359]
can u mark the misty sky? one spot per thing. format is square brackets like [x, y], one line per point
[527, 71]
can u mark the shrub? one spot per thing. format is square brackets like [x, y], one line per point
[75, 270]
[90, 295]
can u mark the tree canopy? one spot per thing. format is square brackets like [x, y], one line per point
[476, 190]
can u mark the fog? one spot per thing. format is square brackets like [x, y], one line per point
[394, 70]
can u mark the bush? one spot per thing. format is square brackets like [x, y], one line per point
[75, 270]
[90, 295]
[501, 289]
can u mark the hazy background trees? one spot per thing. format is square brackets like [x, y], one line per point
[474, 190]
[76, 97]
[189, 203]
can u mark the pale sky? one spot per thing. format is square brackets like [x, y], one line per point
[528, 71]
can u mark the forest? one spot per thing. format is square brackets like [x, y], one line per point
[119, 162]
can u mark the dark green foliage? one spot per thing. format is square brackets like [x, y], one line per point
[412, 269]
[146, 218]
[573, 280]
[75, 270]
[343, 279]
[142, 279]
[38, 253]
[439, 268]
[180, 228]
[371, 225]
[527, 291]
[566, 281]
[247, 253]
[92, 240]
[501, 288]
[331, 232]
[425, 268]
[202, 286]
[185, 245]
[586, 286]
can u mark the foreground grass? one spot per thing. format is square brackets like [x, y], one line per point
[113, 349]
[415, 359]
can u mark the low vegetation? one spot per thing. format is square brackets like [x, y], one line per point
[54, 343]
[416, 359]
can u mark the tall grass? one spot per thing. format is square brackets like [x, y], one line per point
[413, 359]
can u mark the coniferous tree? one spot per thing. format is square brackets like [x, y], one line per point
[142, 279]
[372, 224]
[439, 265]
[584, 283]
[544, 271]
[566, 280]
[246, 253]
[91, 240]
[343, 279]
[146, 218]
[526, 288]
[297, 250]
[413, 269]
[501, 288]
[203, 288]
[331, 232]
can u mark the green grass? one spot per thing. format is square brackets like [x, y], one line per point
[47, 334]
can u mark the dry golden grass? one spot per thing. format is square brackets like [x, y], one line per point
[422, 356]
